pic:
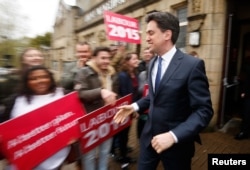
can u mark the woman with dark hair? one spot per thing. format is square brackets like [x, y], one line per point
[31, 83]
[128, 83]
[38, 88]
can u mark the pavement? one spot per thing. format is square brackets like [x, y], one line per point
[220, 141]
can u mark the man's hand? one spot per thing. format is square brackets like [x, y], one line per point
[81, 62]
[123, 113]
[162, 142]
[108, 96]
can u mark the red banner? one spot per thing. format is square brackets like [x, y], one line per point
[121, 28]
[29, 139]
[99, 126]
[145, 90]
[145, 93]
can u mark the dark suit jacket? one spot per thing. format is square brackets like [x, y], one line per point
[182, 103]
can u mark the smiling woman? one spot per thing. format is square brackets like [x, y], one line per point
[39, 82]
[39, 89]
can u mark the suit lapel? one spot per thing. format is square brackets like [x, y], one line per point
[173, 65]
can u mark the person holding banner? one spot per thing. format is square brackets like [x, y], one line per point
[38, 88]
[96, 84]
[179, 100]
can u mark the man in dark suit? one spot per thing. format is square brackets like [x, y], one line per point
[179, 107]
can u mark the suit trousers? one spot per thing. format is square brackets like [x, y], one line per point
[172, 159]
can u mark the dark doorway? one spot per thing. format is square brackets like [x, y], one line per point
[236, 62]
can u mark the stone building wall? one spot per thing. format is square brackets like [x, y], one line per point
[208, 18]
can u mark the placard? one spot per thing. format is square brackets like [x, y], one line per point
[29, 139]
[99, 126]
[121, 28]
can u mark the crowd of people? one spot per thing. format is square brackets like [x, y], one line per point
[169, 117]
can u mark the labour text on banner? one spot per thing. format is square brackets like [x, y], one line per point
[98, 126]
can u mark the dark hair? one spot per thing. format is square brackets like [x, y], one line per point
[99, 49]
[26, 91]
[125, 59]
[165, 21]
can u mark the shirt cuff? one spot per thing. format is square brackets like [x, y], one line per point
[135, 107]
[175, 138]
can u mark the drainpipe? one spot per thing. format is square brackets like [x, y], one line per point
[225, 79]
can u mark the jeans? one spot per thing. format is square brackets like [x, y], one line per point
[89, 159]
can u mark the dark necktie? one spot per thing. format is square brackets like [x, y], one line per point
[158, 74]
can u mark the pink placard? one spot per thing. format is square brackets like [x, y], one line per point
[99, 126]
[121, 28]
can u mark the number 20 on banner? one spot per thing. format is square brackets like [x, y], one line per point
[123, 33]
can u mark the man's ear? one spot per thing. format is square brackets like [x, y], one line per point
[168, 34]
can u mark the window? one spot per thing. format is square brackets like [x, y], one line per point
[182, 15]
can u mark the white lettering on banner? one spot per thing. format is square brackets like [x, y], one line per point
[53, 123]
[65, 127]
[119, 31]
[111, 4]
[24, 137]
[34, 145]
[102, 131]
[103, 126]
[102, 117]
[121, 21]
[60, 118]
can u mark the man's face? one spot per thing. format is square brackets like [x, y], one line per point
[155, 38]
[102, 60]
[147, 55]
[83, 52]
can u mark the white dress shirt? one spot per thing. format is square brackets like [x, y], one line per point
[166, 58]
